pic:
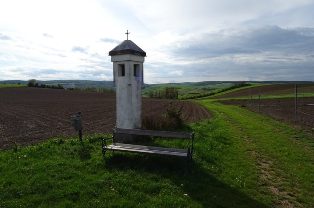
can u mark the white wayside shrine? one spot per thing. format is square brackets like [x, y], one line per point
[128, 61]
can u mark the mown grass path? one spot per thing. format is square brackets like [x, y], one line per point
[283, 157]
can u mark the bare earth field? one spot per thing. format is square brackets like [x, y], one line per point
[274, 89]
[282, 109]
[30, 115]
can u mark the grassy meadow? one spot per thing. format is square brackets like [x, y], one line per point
[189, 90]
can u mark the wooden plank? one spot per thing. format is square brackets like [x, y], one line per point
[148, 149]
[170, 134]
[133, 146]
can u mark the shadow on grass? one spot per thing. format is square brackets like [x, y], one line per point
[195, 181]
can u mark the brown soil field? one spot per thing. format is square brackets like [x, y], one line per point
[282, 109]
[30, 115]
[274, 89]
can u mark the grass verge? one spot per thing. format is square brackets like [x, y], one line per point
[65, 173]
[284, 157]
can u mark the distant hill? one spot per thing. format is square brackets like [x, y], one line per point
[186, 89]
[13, 82]
[67, 83]
[190, 90]
[110, 83]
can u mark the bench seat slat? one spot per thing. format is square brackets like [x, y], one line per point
[148, 149]
[133, 146]
[170, 134]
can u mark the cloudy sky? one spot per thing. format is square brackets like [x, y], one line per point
[185, 40]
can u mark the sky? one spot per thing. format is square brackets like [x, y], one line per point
[185, 40]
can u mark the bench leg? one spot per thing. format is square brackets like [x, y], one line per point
[104, 147]
[190, 154]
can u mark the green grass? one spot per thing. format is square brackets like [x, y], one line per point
[286, 154]
[252, 85]
[11, 85]
[200, 90]
[225, 171]
[62, 173]
[189, 90]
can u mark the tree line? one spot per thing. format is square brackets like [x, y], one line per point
[165, 93]
[34, 83]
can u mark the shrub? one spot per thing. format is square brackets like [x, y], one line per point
[93, 89]
[31, 83]
[171, 119]
[34, 83]
[174, 115]
[166, 93]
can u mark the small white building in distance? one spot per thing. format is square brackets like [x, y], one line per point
[128, 61]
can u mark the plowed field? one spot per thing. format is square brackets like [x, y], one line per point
[282, 109]
[266, 90]
[29, 115]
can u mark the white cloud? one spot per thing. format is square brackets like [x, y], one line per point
[184, 40]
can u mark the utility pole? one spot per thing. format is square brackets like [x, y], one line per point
[296, 102]
[259, 103]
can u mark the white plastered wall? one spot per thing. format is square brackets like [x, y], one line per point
[128, 91]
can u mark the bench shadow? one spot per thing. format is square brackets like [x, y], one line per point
[197, 183]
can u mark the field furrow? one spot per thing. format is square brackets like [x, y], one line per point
[29, 115]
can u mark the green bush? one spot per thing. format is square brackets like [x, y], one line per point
[170, 120]
[166, 93]
[34, 83]
[31, 83]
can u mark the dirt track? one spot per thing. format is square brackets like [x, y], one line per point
[30, 115]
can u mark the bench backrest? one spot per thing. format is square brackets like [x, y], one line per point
[141, 132]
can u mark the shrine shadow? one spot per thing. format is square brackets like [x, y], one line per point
[197, 183]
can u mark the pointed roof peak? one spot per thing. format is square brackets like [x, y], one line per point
[127, 47]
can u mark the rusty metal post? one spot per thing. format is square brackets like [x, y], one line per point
[77, 124]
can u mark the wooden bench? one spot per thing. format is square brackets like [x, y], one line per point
[115, 146]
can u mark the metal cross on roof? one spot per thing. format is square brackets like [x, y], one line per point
[127, 34]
